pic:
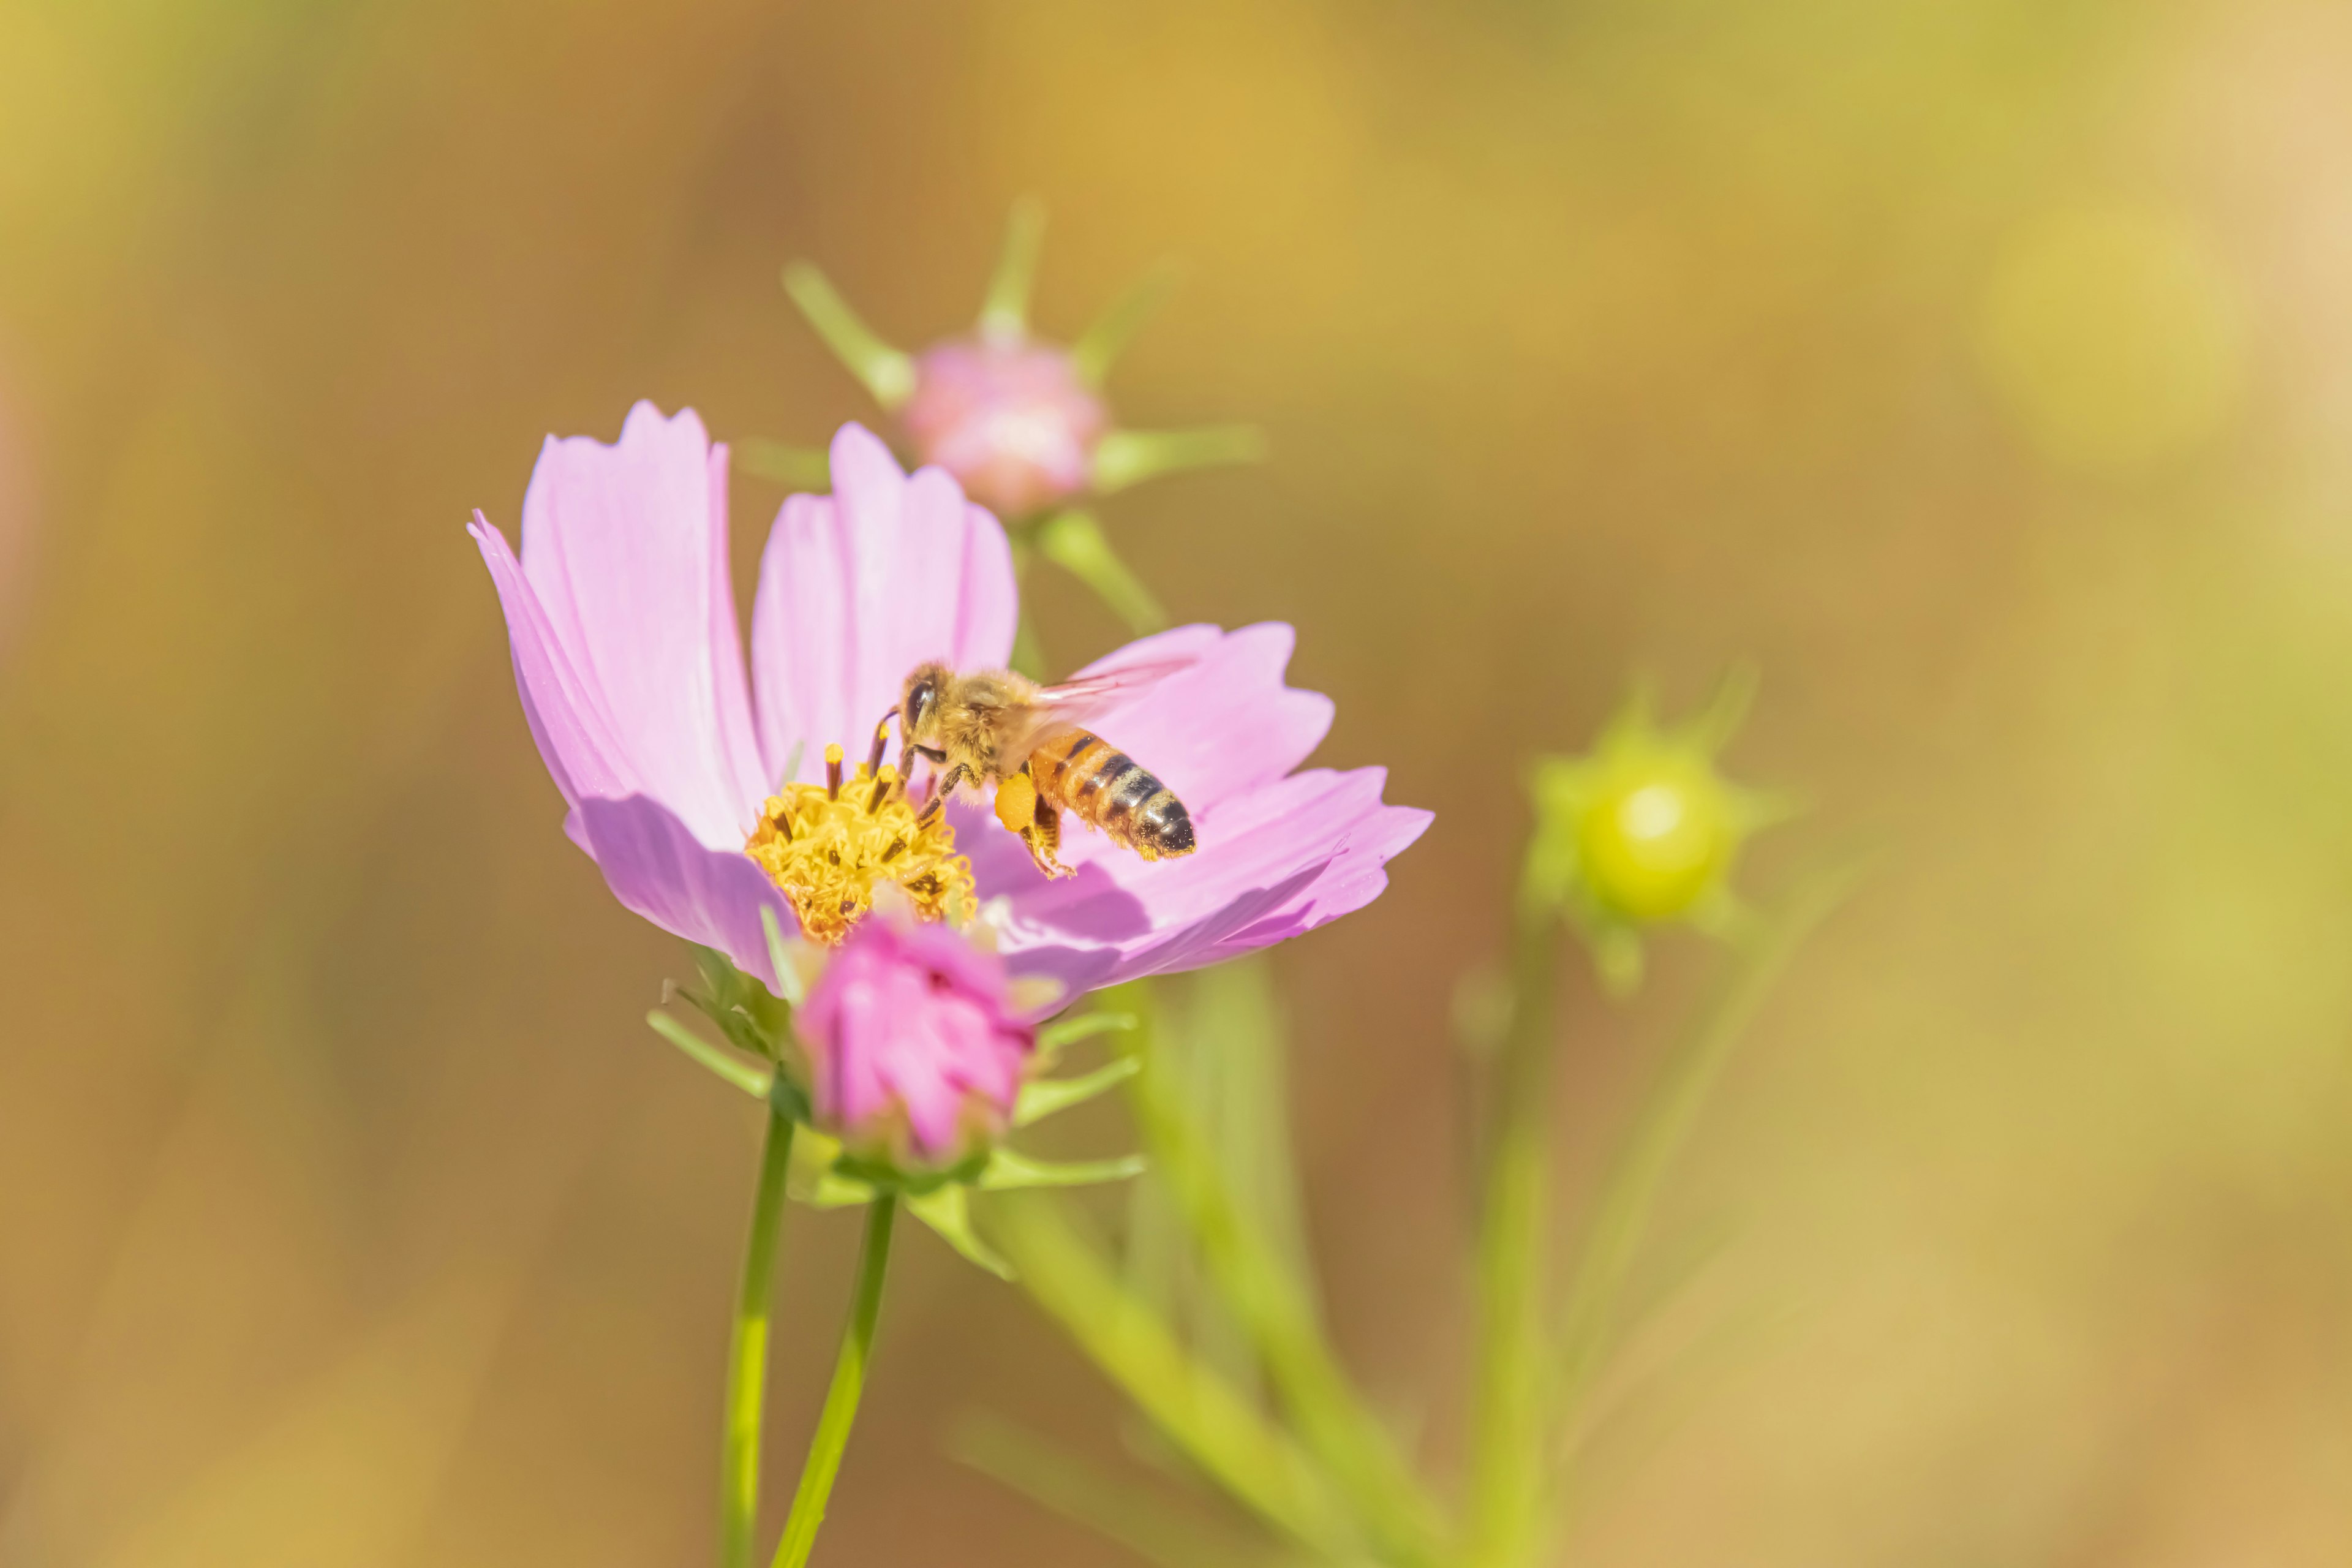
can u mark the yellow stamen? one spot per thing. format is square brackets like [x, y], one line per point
[827, 847]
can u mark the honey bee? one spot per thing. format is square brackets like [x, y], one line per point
[1003, 732]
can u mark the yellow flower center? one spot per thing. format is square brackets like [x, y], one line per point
[826, 845]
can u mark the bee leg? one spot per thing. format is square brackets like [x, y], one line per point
[940, 793]
[1043, 837]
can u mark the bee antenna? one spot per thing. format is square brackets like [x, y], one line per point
[881, 741]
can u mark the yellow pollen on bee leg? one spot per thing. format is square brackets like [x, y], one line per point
[827, 847]
[1017, 802]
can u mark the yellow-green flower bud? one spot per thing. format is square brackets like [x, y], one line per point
[1644, 829]
[1658, 840]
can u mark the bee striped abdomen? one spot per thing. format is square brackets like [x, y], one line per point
[1110, 790]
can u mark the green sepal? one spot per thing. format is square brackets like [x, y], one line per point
[884, 1177]
[1008, 1170]
[789, 1098]
[811, 1179]
[752, 1018]
[780, 959]
[948, 1211]
[1092, 355]
[759, 1082]
[1041, 1098]
[854, 1180]
[887, 373]
[1069, 1031]
[835, 1191]
[1004, 312]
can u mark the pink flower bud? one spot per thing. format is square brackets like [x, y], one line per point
[914, 1042]
[1011, 420]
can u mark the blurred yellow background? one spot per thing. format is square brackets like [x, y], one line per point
[1982, 367]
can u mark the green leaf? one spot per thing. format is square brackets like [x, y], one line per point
[1008, 1169]
[948, 1211]
[754, 1082]
[1005, 314]
[1075, 543]
[886, 373]
[1051, 1096]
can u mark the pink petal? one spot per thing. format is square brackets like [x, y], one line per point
[924, 1057]
[1272, 863]
[1226, 725]
[626, 548]
[574, 739]
[658, 868]
[858, 588]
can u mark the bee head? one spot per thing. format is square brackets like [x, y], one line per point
[919, 705]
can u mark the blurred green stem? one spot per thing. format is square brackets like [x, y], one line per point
[840, 1411]
[887, 373]
[1275, 1311]
[1124, 457]
[1028, 652]
[747, 1355]
[1100, 344]
[1507, 1462]
[1620, 1213]
[1074, 542]
[1079, 1491]
[1004, 312]
[1257, 1464]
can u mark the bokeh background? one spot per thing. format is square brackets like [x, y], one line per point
[1983, 368]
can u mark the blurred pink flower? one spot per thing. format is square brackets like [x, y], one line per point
[912, 1041]
[626, 655]
[1011, 420]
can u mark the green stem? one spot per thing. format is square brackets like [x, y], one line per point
[1028, 652]
[840, 1410]
[1280, 1318]
[1506, 1458]
[1621, 1210]
[747, 1355]
[1202, 1414]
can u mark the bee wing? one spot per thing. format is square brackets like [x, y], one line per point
[1077, 702]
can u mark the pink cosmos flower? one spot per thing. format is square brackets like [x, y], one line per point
[631, 671]
[911, 1039]
[1011, 420]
